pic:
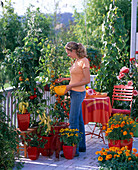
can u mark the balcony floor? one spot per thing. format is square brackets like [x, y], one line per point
[86, 160]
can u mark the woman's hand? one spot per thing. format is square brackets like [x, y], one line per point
[68, 88]
[59, 80]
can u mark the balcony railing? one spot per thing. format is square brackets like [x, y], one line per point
[9, 103]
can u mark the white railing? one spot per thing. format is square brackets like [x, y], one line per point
[9, 106]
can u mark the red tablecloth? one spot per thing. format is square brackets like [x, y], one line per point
[96, 110]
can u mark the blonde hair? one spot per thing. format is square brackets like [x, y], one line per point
[80, 49]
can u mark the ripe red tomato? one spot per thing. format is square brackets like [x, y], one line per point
[31, 97]
[34, 89]
[19, 72]
[35, 96]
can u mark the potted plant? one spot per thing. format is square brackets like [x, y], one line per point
[34, 143]
[116, 158]
[44, 132]
[120, 130]
[70, 139]
[23, 116]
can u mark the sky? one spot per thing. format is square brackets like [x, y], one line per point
[47, 6]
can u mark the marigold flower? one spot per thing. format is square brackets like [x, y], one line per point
[127, 153]
[119, 152]
[123, 148]
[104, 153]
[134, 150]
[125, 133]
[108, 156]
[136, 154]
[118, 156]
[104, 127]
[100, 158]
[97, 152]
[129, 158]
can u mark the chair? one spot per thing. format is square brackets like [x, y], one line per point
[122, 93]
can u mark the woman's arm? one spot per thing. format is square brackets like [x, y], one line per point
[84, 81]
[62, 79]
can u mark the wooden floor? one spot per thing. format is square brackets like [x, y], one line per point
[86, 160]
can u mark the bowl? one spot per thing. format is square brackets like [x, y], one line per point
[60, 90]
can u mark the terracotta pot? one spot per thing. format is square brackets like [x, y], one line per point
[56, 128]
[23, 121]
[48, 148]
[33, 153]
[69, 151]
[121, 143]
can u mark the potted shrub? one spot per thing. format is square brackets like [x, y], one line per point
[23, 116]
[70, 139]
[34, 143]
[116, 158]
[44, 132]
[120, 130]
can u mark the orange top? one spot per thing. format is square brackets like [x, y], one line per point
[76, 73]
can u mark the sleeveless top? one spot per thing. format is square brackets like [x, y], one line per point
[76, 73]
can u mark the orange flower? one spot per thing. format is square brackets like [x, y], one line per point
[129, 158]
[119, 152]
[123, 148]
[104, 153]
[127, 153]
[136, 154]
[104, 127]
[117, 126]
[118, 156]
[131, 133]
[115, 155]
[134, 150]
[97, 152]
[108, 157]
[100, 158]
[125, 133]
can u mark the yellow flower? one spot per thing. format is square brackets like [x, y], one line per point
[119, 152]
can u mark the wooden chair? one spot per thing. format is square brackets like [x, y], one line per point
[22, 134]
[122, 93]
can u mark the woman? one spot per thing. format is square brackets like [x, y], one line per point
[79, 77]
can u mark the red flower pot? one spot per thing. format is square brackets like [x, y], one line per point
[23, 121]
[33, 153]
[61, 125]
[121, 143]
[48, 148]
[69, 151]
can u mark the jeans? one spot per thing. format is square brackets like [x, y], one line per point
[75, 117]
